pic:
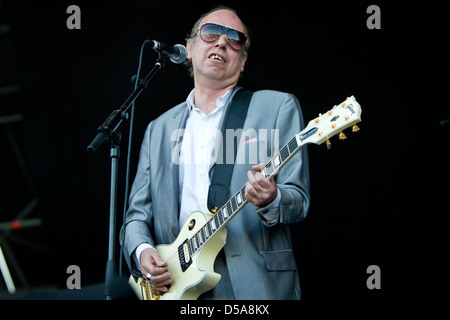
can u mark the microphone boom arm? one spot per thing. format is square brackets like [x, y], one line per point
[109, 128]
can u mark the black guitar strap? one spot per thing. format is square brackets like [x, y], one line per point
[219, 190]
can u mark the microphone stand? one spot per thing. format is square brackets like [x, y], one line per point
[110, 130]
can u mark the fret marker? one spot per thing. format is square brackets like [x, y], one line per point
[225, 213]
[276, 161]
[239, 198]
[199, 240]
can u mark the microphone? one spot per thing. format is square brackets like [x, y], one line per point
[176, 53]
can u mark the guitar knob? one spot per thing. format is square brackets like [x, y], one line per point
[342, 136]
[328, 144]
[355, 128]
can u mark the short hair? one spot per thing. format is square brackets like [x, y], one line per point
[191, 36]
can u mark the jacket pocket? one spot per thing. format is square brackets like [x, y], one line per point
[280, 260]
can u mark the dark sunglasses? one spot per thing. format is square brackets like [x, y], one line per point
[210, 32]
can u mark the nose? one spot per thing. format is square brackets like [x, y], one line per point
[222, 41]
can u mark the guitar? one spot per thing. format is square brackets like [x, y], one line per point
[190, 258]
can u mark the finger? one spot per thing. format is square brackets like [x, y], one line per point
[258, 167]
[156, 271]
[249, 191]
[152, 268]
[261, 180]
[257, 181]
[161, 279]
[158, 261]
[251, 194]
[153, 256]
[162, 288]
[265, 183]
[163, 285]
[147, 266]
[251, 177]
[252, 188]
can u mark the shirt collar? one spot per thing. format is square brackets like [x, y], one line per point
[220, 102]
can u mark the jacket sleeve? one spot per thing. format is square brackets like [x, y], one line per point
[293, 179]
[139, 217]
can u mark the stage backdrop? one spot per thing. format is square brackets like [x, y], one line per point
[377, 198]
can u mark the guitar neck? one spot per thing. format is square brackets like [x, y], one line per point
[235, 204]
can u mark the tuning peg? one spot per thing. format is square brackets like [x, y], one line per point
[355, 128]
[342, 136]
[328, 144]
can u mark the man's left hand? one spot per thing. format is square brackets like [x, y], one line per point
[259, 190]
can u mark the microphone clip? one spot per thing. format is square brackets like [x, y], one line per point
[177, 53]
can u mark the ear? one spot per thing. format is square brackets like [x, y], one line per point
[188, 47]
[244, 58]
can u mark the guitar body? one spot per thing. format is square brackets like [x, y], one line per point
[199, 276]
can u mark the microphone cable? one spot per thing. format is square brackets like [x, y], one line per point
[127, 174]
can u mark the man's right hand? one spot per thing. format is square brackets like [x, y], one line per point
[153, 264]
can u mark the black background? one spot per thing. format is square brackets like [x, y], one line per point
[378, 198]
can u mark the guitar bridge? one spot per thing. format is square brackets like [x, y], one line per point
[150, 292]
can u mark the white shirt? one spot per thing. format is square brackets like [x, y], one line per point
[196, 156]
[196, 159]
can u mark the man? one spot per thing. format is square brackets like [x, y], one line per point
[257, 261]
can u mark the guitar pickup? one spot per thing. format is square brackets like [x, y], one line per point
[184, 255]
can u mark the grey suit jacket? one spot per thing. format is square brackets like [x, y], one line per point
[259, 257]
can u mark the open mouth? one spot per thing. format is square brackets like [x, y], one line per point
[217, 57]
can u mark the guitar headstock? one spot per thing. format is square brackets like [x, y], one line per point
[334, 121]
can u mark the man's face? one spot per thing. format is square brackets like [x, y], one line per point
[216, 62]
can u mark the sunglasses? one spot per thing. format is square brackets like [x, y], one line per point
[210, 32]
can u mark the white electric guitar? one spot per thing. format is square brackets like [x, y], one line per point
[190, 258]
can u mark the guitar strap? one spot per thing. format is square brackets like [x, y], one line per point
[219, 190]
